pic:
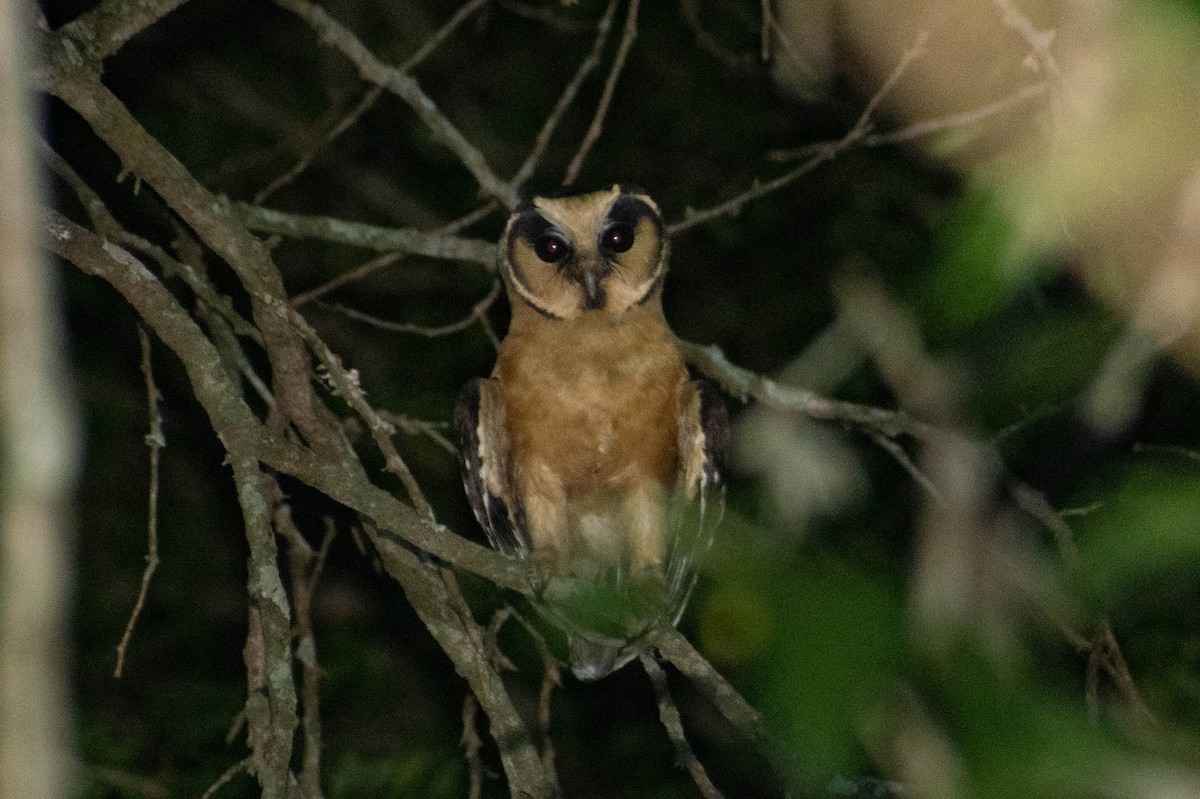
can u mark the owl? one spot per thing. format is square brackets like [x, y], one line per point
[589, 452]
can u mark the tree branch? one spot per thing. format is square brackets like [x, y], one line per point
[371, 237]
[401, 526]
[155, 441]
[668, 713]
[610, 86]
[744, 384]
[372, 69]
[586, 67]
[79, 86]
[824, 153]
[106, 28]
[271, 718]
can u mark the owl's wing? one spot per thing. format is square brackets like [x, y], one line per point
[483, 444]
[703, 440]
[700, 492]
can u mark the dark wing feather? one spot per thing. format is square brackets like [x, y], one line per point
[700, 495]
[483, 444]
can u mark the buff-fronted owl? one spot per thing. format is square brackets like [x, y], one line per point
[590, 452]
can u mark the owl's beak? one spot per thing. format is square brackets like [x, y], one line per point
[589, 277]
[591, 290]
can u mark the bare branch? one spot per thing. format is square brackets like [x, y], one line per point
[551, 679]
[371, 237]
[901, 456]
[472, 745]
[212, 221]
[742, 383]
[408, 90]
[673, 724]
[825, 153]
[358, 273]
[400, 525]
[478, 310]
[420, 427]
[929, 127]
[306, 565]
[709, 44]
[1020, 97]
[106, 28]
[346, 385]
[156, 442]
[443, 611]
[368, 100]
[104, 223]
[234, 770]
[610, 85]
[674, 647]
[545, 15]
[271, 719]
[586, 67]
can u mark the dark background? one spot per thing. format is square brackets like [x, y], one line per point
[805, 611]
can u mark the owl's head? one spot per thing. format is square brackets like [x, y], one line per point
[602, 251]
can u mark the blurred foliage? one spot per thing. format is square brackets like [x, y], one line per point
[811, 624]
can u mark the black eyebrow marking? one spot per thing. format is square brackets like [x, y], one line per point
[528, 222]
[630, 210]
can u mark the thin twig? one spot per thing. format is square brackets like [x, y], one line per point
[586, 67]
[222, 330]
[420, 427]
[368, 100]
[827, 152]
[345, 383]
[468, 219]
[610, 85]
[155, 441]
[306, 566]
[106, 28]
[675, 647]
[371, 237]
[668, 713]
[372, 69]
[764, 33]
[929, 127]
[1018, 98]
[901, 456]
[551, 679]
[709, 43]
[472, 746]
[1185, 453]
[544, 15]
[231, 772]
[124, 783]
[358, 273]
[478, 310]
[744, 384]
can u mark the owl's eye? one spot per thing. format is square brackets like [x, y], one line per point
[551, 248]
[618, 238]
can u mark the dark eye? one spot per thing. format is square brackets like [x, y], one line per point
[550, 248]
[617, 238]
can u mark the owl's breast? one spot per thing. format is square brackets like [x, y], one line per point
[596, 409]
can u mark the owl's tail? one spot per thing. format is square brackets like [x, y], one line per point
[592, 660]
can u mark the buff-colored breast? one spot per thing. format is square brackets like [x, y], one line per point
[593, 401]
